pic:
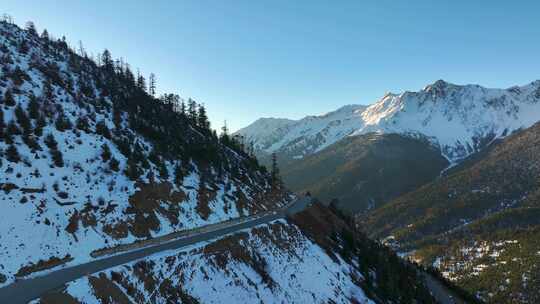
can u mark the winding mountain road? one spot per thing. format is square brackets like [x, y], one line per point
[440, 292]
[28, 289]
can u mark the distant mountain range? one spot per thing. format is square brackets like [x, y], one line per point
[298, 138]
[460, 119]
[335, 156]
[447, 175]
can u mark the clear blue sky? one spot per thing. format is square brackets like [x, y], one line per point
[251, 59]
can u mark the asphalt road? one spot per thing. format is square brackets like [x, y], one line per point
[441, 293]
[26, 290]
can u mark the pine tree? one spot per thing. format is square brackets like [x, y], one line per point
[128, 75]
[119, 66]
[23, 120]
[114, 165]
[172, 101]
[63, 123]
[31, 28]
[108, 67]
[51, 143]
[276, 180]
[103, 130]
[203, 118]
[183, 108]
[192, 110]
[40, 124]
[45, 38]
[152, 84]
[7, 18]
[57, 158]
[8, 98]
[163, 172]
[178, 175]
[48, 93]
[82, 50]
[82, 124]
[13, 129]
[141, 81]
[2, 124]
[33, 107]
[31, 142]
[224, 136]
[105, 153]
[12, 154]
[107, 62]
[132, 170]
[56, 155]
[23, 47]
[45, 35]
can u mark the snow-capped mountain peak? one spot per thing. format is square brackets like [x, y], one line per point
[306, 135]
[460, 119]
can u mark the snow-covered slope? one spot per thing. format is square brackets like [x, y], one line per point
[266, 131]
[311, 257]
[460, 119]
[85, 166]
[272, 263]
[305, 136]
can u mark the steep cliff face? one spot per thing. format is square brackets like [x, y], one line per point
[90, 160]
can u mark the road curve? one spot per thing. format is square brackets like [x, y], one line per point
[441, 293]
[26, 290]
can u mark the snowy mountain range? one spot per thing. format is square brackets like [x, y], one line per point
[93, 162]
[460, 119]
[298, 138]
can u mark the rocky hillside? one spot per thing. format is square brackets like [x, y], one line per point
[460, 119]
[360, 173]
[479, 224]
[314, 257]
[89, 157]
